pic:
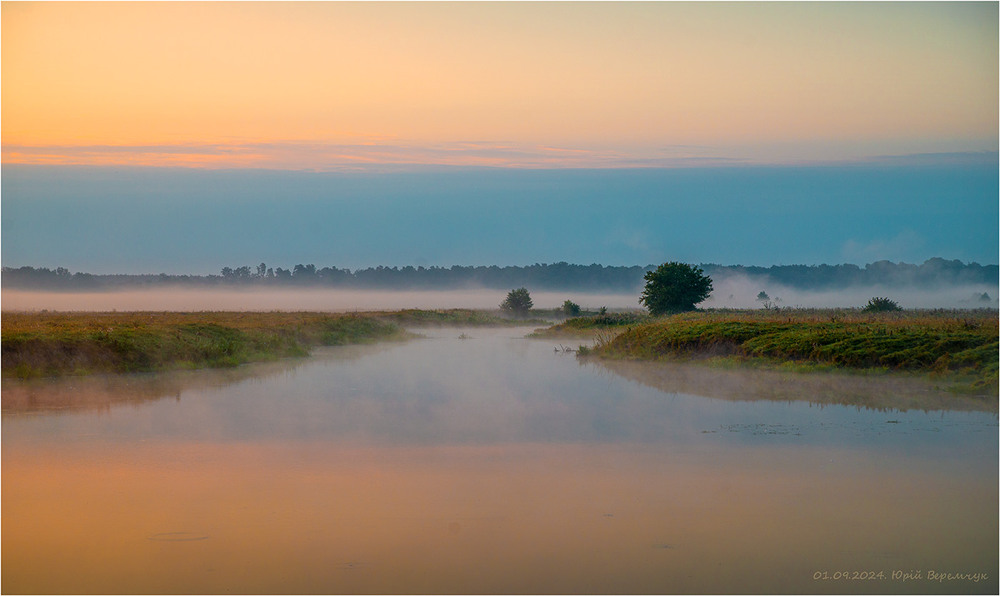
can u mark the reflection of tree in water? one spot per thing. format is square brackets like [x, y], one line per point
[102, 392]
[879, 393]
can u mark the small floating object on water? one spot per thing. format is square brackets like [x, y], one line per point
[352, 565]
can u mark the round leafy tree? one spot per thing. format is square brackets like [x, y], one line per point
[571, 309]
[518, 302]
[675, 287]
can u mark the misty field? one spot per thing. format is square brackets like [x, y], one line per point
[53, 344]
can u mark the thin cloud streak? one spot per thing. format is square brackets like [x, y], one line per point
[366, 155]
[383, 154]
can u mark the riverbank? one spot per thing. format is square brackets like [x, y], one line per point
[960, 345]
[47, 344]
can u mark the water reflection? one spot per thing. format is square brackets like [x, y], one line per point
[532, 518]
[881, 393]
[489, 465]
[101, 392]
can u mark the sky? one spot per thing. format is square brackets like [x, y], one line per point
[148, 137]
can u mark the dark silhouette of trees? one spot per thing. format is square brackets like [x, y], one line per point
[561, 276]
[304, 272]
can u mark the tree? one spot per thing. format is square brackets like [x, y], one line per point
[675, 287]
[518, 302]
[571, 309]
[765, 300]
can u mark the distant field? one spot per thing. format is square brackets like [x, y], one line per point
[959, 344]
[52, 344]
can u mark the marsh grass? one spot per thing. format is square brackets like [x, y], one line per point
[591, 326]
[52, 343]
[456, 317]
[958, 344]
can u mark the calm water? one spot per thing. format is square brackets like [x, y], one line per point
[494, 464]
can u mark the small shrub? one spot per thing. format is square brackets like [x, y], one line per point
[571, 309]
[878, 304]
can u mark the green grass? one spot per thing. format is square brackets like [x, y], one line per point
[52, 343]
[456, 317]
[591, 325]
[959, 344]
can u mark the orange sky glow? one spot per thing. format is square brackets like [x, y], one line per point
[327, 86]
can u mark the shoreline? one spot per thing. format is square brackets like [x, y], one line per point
[55, 344]
[957, 347]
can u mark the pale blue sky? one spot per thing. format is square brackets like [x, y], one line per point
[173, 220]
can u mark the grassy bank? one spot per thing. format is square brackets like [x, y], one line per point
[961, 344]
[54, 344]
[457, 317]
[592, 326]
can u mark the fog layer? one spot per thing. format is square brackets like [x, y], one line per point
[732, 292]
[295, 299]
[739, 291]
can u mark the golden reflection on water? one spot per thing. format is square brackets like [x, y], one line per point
[196, 517]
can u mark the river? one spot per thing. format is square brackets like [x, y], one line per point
[477, 461]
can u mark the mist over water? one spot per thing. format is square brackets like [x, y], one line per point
[478, 461]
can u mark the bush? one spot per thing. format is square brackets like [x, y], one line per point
[518, 302]
[571, 309]
[675, 287]
[882, 305]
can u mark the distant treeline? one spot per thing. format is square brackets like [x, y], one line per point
[556, 276]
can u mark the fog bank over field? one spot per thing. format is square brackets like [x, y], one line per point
[293, 299]
[731, 292]
[741, 291]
